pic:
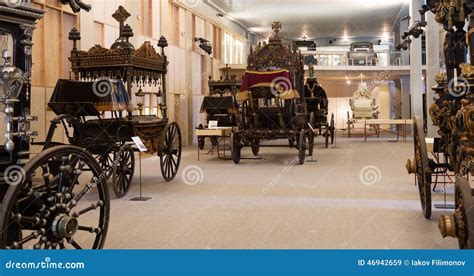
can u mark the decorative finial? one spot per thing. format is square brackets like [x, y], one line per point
[226, 72]
[276, 27]
[74, 35]
[162, 43]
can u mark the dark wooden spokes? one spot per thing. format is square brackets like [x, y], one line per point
[45, 210]
[460, 225]
[123, 170]
[170, 157]
[423, 172]
[106, 162]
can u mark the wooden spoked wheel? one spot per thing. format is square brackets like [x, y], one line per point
[201, 142]
[255, 145]
[123, 170]
[106, 162]
[236, 147]
[59, 200]
[464, 216]
[170, 156]
[423, 171]
[302, 146]
[332, 129]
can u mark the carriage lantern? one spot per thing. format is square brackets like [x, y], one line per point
[11, 83]
[140, 100]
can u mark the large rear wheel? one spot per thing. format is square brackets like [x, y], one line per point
[236, 147]
[420, 166]
[302, 146]
[332, 129]
[460, 225]
[59, 200]
[255, 144]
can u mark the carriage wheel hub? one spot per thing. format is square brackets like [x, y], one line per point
[411, 166]
[447, 226]
[65, 226]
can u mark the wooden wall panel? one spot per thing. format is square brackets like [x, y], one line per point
[38, 55]
[69, 21]
[52, 46]
[99, 33]
[38, 108]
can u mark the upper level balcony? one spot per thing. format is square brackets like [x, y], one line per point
[359, 61]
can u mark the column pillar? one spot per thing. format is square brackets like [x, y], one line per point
[432, 65]
[416, 85]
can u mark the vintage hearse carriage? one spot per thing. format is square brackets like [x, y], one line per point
[270, 99]
[220, 105]
[363, 106]
[317, 102]
[97, 106]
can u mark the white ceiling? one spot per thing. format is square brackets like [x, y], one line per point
[316, 18]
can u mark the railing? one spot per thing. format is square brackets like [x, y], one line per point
[340, 58]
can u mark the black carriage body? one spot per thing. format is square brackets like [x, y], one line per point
[76, 102]
[220, 105]
[316, 102]
[19, 22]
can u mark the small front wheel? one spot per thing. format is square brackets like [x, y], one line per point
[123, 170]
[170, 155]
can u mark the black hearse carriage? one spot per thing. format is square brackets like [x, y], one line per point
[270, 99]
[220, 105]
[97, 105]
[317, 105]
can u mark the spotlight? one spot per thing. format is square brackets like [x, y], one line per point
[204, 44]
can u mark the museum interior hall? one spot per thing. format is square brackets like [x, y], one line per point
[236, 124]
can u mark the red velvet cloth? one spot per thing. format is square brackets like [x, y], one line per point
[267, 79]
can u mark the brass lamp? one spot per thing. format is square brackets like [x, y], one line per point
[140, 100]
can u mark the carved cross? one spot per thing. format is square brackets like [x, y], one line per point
[276, 27]
[226, 72]
[121, 15]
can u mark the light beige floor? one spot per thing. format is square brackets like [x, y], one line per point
[270, 203]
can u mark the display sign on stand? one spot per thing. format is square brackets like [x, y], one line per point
[141, 148]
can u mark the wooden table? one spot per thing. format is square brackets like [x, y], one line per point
[222, 134]
[399, 123]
